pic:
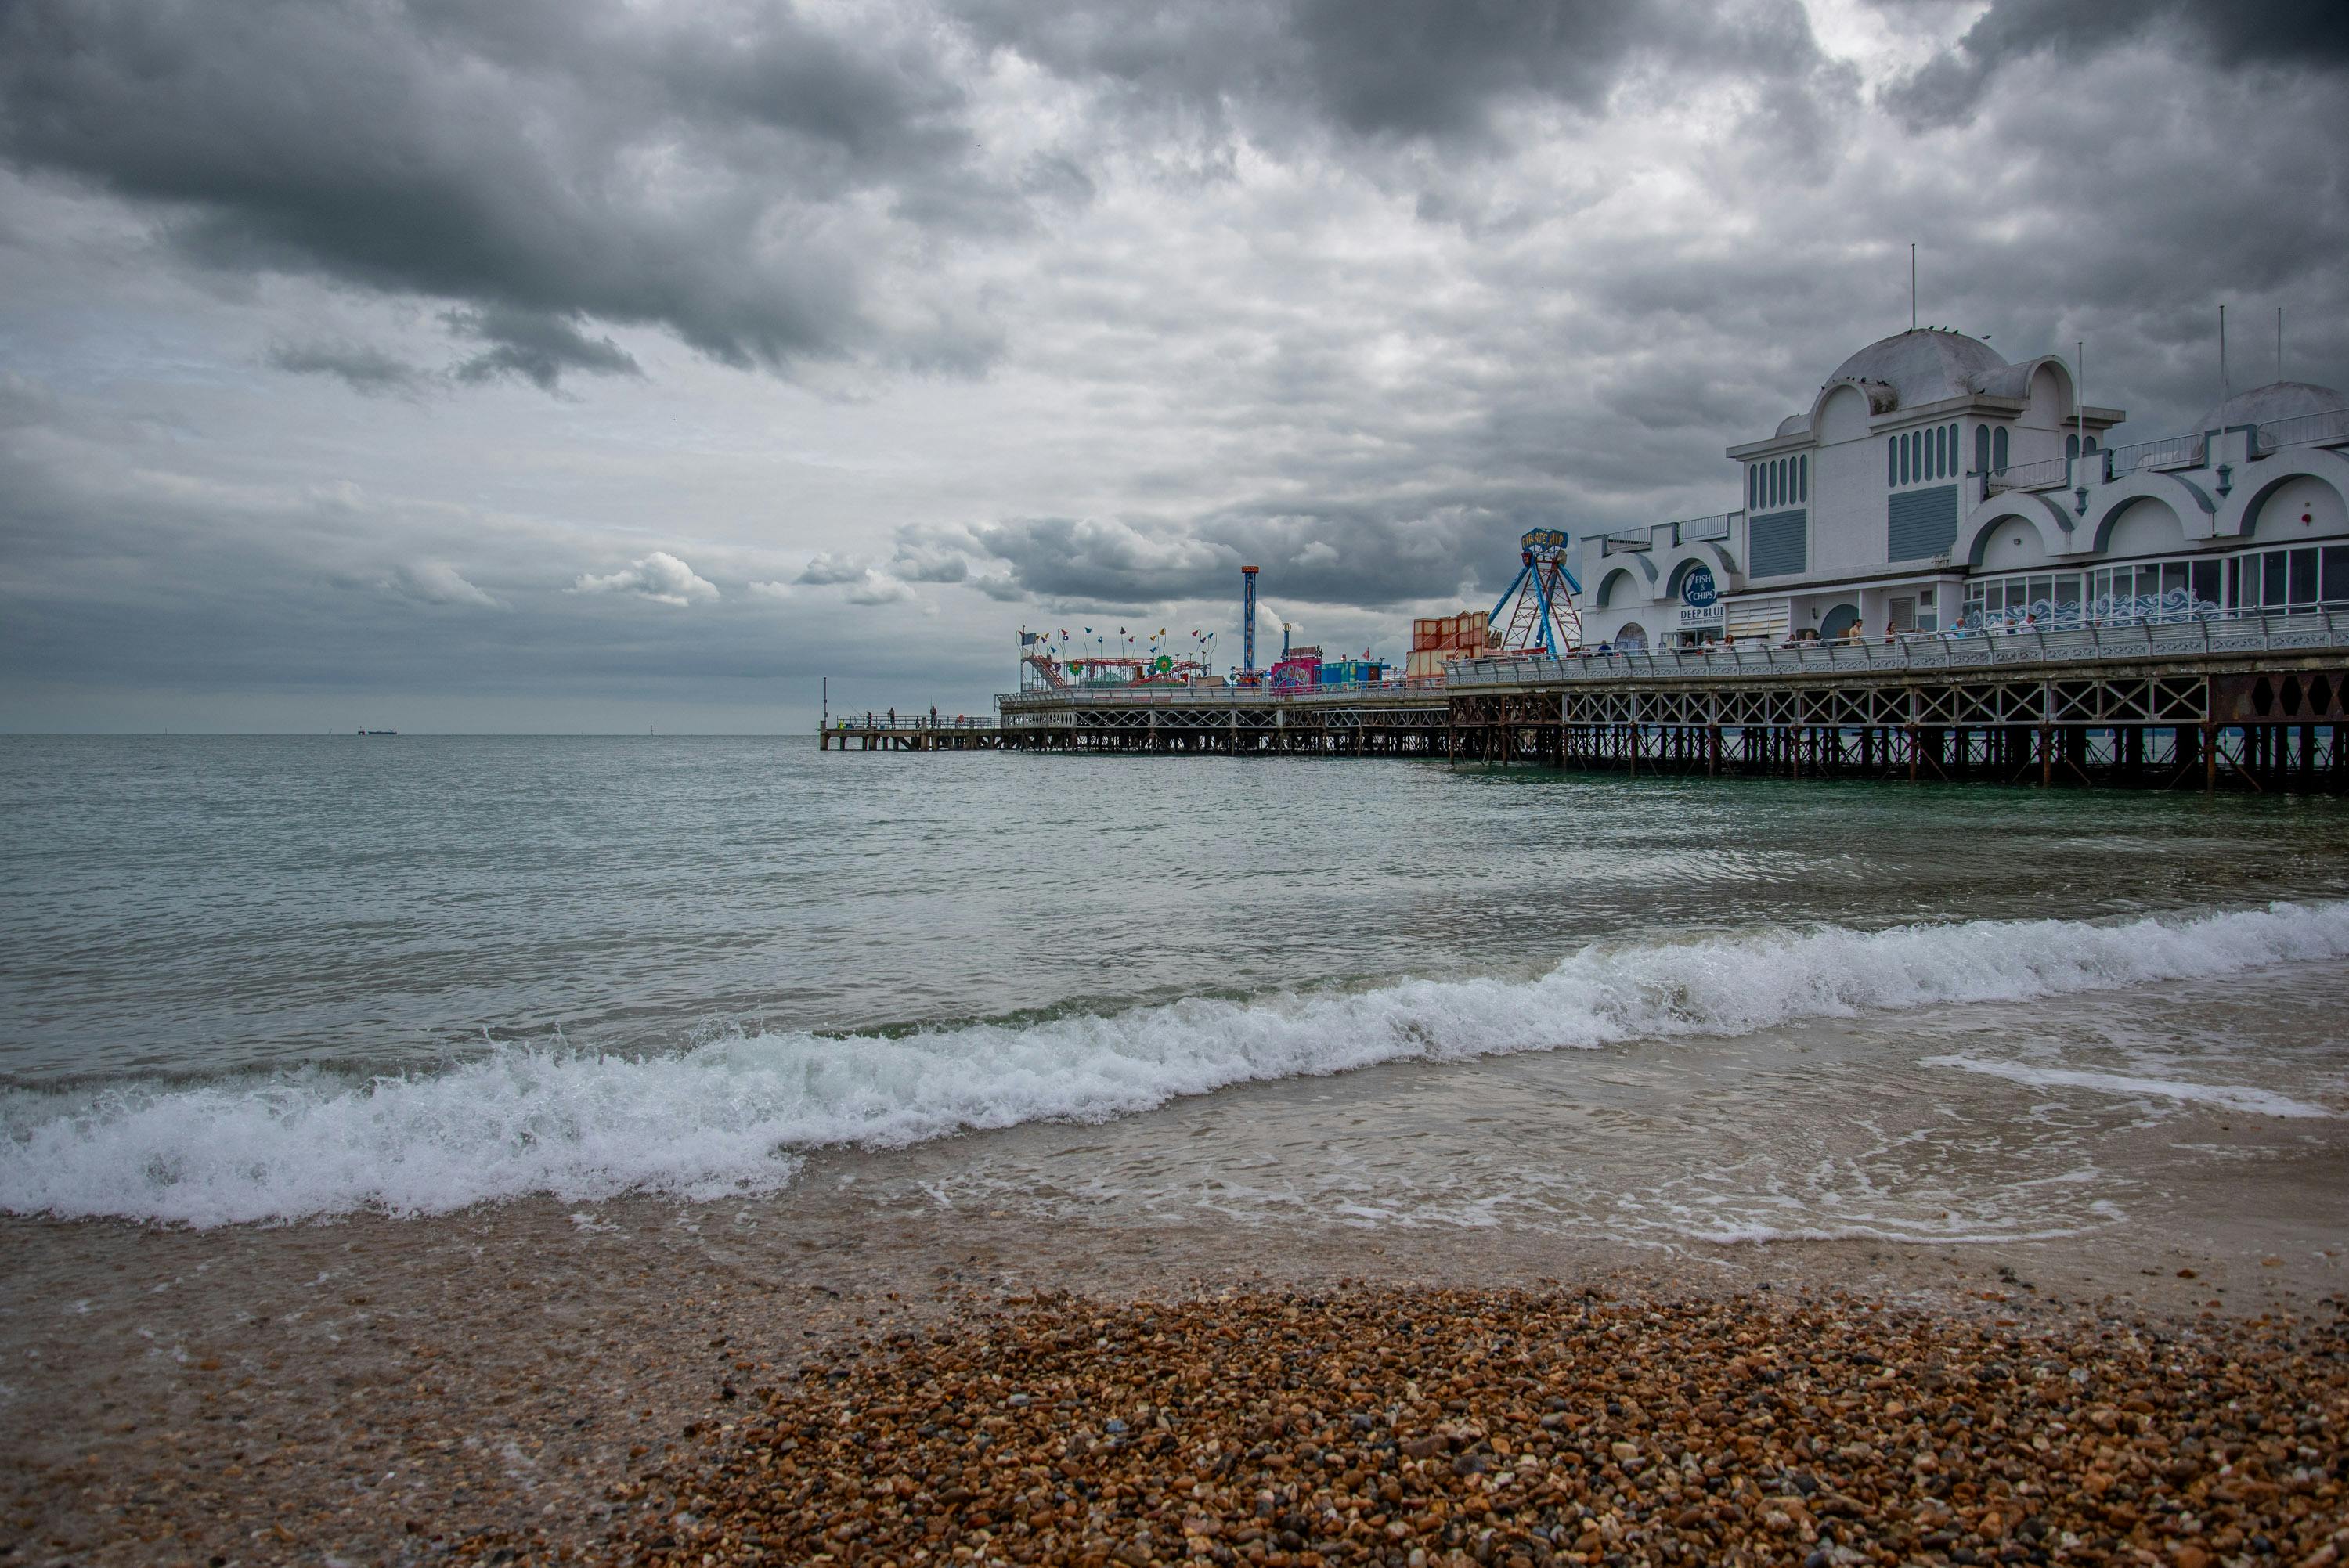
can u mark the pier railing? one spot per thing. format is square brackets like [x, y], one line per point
[1935, 651]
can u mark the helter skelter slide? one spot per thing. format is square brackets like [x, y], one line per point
[1537, 615]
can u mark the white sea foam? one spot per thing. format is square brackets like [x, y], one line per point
[735, 1114]
[2234, 1096]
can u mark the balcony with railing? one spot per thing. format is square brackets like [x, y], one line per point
[2049, 473]
[2330, 429]
[2169, 452]
[1686, 530]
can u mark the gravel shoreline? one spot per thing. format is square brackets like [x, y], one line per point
[1434, 1426]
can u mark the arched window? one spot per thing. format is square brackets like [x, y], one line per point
[1998, 450]
[2072, 445]
[1781, 480]
[2091, 446]
[1981, 448]
[1908, 455]
[1940, 451]
[1954, 433]
[1752, 486]
[1892, 461]
[1803, 478]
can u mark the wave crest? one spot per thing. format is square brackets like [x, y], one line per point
[735, 1115]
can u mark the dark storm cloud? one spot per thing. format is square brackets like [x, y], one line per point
[364, 370]
[552, 161]
[2290, 34]
[1400, 550]
[1434, 69]
[535, 346]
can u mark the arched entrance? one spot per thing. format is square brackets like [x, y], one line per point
[1838, 622]
[1631, 634]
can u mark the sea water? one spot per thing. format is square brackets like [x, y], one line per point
[273, 979]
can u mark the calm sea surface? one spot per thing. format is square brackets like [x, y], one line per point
[246, 977]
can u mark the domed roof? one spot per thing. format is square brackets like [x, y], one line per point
[1923, 365]
[2276, 401]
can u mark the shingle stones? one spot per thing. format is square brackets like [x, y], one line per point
[1421, 1428]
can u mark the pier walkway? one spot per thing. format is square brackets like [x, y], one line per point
[871, 732]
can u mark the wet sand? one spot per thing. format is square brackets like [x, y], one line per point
[373, 1390]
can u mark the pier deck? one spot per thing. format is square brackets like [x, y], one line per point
[2253, 703]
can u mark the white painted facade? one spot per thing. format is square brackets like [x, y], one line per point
[1932, 485]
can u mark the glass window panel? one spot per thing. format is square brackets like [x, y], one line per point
[1997, 449]
[1892, 461]
[1981, 448]
[1906, 443]
[2072, 445]
[2303, 577]
[2239, 583]
[2173, 576]
[2206, 583]
[2336, 586]
[2067, 589]
[1803, 477]
[2271, 579]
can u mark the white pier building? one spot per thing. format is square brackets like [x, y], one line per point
[1932, 487]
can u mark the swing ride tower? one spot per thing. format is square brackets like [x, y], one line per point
[1537, 615]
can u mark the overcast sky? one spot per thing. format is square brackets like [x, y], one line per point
[565, 365]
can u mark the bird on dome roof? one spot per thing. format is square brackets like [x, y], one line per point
[1923, 365]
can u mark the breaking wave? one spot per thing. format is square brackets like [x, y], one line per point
[735, 1115]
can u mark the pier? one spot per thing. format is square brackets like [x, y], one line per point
[2251, 703]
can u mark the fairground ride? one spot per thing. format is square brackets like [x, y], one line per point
[1537, 615]
[1048, 665]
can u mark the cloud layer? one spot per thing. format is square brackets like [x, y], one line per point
[866, 332]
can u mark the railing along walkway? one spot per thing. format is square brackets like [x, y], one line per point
[1964, 651]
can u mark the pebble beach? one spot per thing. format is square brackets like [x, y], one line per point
[646, 1383]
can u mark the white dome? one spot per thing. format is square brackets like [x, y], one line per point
[2276, 401]
[1923, 365]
